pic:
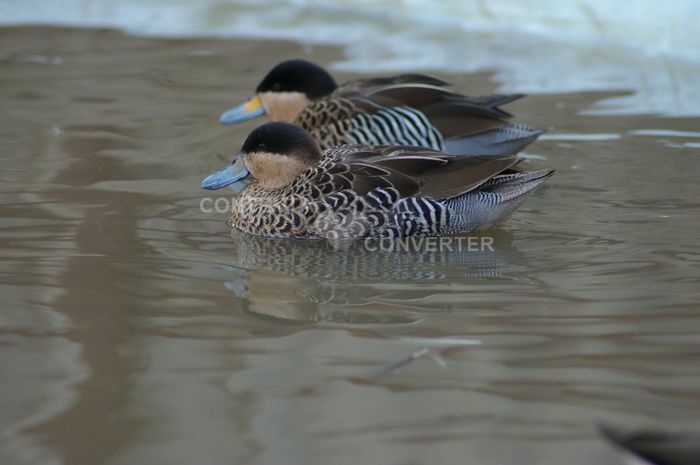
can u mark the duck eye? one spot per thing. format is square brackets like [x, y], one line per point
[261, 146]
[276, 86]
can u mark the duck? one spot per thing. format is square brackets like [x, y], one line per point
[654, 447]
[408, 109]
[292, 188]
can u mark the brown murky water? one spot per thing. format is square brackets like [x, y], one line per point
[134, 329]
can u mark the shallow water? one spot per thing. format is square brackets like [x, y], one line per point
[135, 328]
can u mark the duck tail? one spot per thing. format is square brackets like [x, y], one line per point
[494, 101]
[507, 140]
[493, 201]
[515, 185]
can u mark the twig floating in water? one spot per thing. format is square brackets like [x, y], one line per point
[395, 366]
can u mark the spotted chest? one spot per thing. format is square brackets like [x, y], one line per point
[329, 121]
[322, 204]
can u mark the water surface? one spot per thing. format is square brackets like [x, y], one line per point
[136, 329]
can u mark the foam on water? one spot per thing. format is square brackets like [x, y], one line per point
[651, 50]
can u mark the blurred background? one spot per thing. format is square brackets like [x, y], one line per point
[651, 48]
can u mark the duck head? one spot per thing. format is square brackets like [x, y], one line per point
[284, 92]
[273, 156]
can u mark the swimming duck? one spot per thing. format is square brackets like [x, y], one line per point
[655, 448]
[352, 192]
[410, 109]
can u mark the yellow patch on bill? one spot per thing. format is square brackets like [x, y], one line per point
[252, 104]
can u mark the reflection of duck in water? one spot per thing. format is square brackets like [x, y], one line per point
[355, 192]
[300, 280]
[410, 109]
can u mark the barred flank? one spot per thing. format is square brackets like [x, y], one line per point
[397, 125]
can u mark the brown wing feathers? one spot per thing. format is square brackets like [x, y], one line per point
[454, 115]
[417, 171]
